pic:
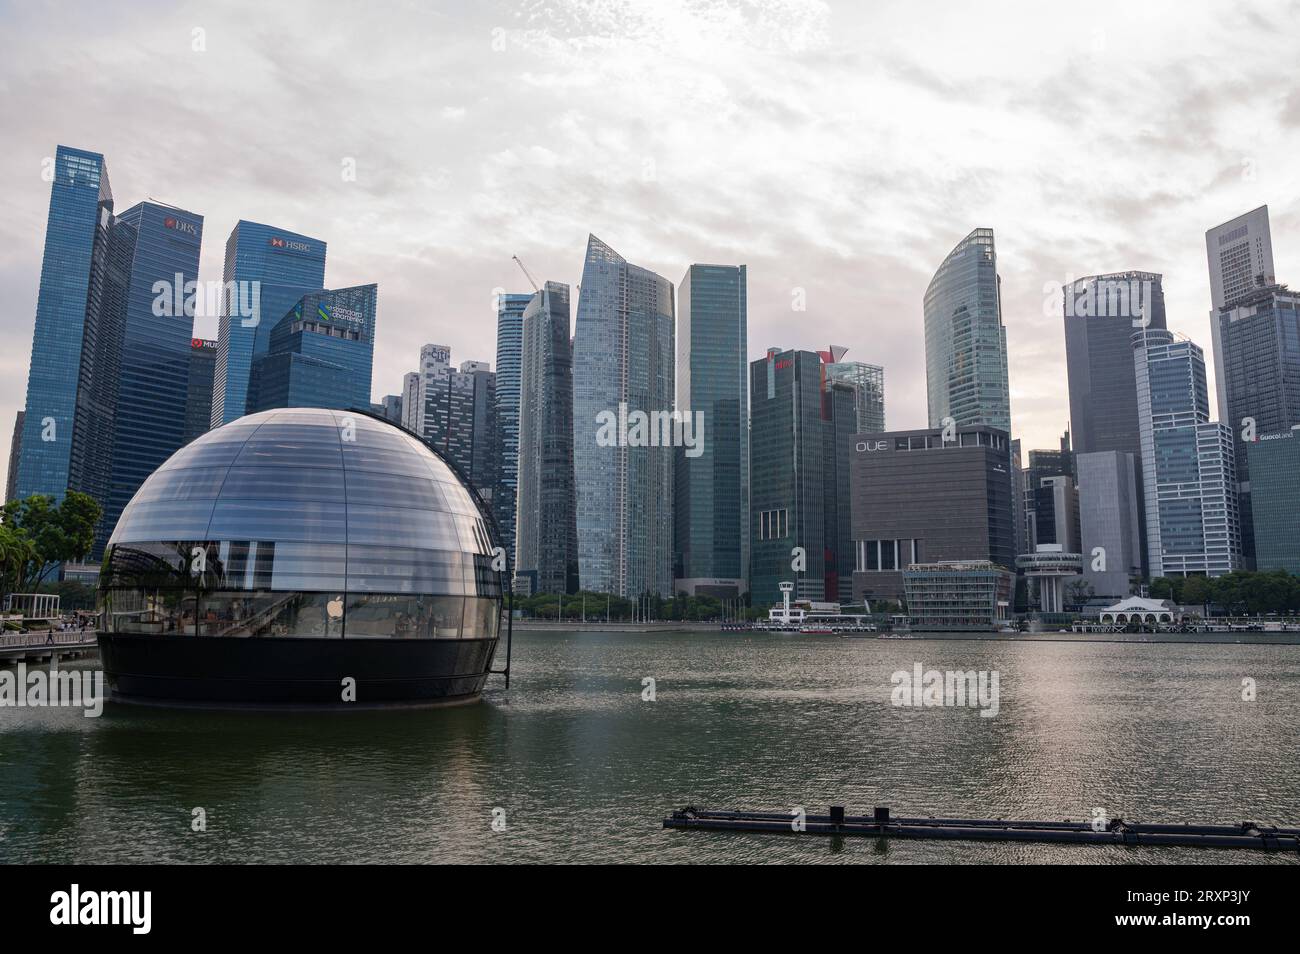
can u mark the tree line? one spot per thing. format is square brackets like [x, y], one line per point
[1249, 592]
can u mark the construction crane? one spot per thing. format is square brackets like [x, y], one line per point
[529, 275]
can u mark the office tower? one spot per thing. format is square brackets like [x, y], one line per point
[157, 326]
[15, 452]
[1110, 523]
[920, 499]
[468, 432]
[1039, 505]
[267, 271]
[510, 331]
[1056, 514]
[428, 384]
[712, 484]
[198, 394]
[1240, 255]
[70, 345]
[320, 354]
[1192, 523]
[412, 402]
[1274, 466]
[392, 408]
[623, 370]
[1257, 356]
[868, 382]
[1101, 314]
[965, 340]
[547, 531]
[801, 439]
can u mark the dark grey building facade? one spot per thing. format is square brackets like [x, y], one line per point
[1258, 355]
[919, 499]
[1275, 465]
[15, 451]
[546, 529]
[801, 435]
[198, 393]
[712, 482]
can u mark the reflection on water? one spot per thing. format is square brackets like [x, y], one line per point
[585, 770]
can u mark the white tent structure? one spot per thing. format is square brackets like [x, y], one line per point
[1137, 609]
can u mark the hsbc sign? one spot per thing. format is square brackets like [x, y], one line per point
[289, 244]
[180, 225]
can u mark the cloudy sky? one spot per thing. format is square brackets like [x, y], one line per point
[837, 148]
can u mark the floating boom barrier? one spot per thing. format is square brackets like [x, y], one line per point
[881, 824]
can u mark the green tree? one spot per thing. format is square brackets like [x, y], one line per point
[58, 532]
[16, 552]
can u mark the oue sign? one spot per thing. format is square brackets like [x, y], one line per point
[865, 446]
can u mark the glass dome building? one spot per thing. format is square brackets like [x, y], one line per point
[294, 556]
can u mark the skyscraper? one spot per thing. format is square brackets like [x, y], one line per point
[67, 338]
[321, 353]
[1257, 354]
[267, 271]
[547, 530]
[1240, 256]
[623, 366]
[928, 496]
[460, 421]
[1101, 314]
[712, 488]
[1192, 522]
[1110, 525]
[965, 340]
[801, 439]
[427, 384]
[1275, 462]
[510, 330]
[15, 452]
[157, 330]
[868, 382]
[198, 395]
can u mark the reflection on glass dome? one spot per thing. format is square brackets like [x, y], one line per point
[302, 524]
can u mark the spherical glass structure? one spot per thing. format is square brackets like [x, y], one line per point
[312, 534]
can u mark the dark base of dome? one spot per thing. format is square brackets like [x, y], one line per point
[293, 672]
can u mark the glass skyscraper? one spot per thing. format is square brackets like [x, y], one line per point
[156, 344]
[1192, 522]
[622, 364]
[868, 383]
[965, 340]
[321, 353]
[547, 541]
[67, 339]
[1274, 464]
[712, 489]
[510, 331]
[267, 270]
[1257, 342]
[198, 398]
[801, 439]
